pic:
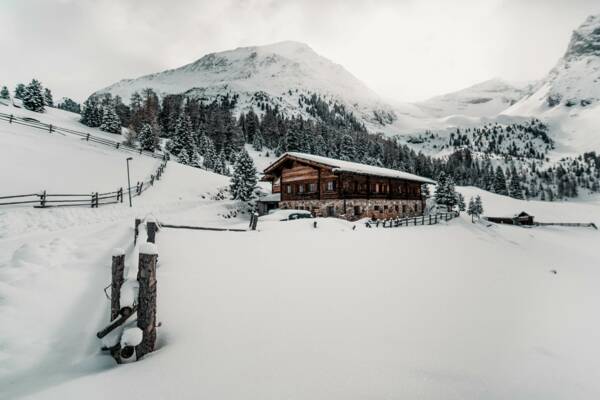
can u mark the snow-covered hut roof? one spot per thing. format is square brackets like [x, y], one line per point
[349, 166]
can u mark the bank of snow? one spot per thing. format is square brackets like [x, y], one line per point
[454, 311]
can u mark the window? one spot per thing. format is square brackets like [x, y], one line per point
[288, 189]
[377, 188]
[356, 210]
[385, 207]
[403, 208]
[301, 188]
[331, 186]
[376, 208]
[312, 187]
[397, 208]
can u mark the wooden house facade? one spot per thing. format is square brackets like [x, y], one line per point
[330, 187]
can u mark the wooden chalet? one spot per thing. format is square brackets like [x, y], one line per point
[330, 187]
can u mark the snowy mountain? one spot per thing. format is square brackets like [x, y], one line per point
[485, 99]
[284, 74]
[569, 96]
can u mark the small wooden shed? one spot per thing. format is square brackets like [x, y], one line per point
[522, 218]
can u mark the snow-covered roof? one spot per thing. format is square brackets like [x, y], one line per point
[357, 168]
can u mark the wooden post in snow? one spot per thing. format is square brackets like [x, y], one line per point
[136, 227]
[147, 298]
[118, 268]
[151, 229]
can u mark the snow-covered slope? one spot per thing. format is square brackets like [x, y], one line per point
[485, 99]
[278, 74]
[569, 97]
[481, 317]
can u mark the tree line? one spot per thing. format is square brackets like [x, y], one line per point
[35, 97]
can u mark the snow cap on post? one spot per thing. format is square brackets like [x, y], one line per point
[148, 248]
[117, 251]
[132, 337]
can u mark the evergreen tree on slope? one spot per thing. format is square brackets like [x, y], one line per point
[147, 138]
[48, 100]
[110, 119]
[514, 187]
[500, 182]
[20, 91]
[243, 181]
[33, 97]
[4, 93]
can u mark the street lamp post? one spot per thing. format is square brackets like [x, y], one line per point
[129, 181]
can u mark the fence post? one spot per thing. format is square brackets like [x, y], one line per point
[151, 229]
[147, 299]
[43, 199]
[10, 119]
[254, 221]
[141, 187]
[118, 145]
[50, 128]
[87, 138]
[136, 228]
[151, 180]
[422, 220]
[118, 268]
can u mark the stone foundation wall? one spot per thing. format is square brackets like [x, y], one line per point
[353, 209]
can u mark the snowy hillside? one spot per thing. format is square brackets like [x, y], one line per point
[279, 74]
[485, 99]
[35, 160]
[569, 97]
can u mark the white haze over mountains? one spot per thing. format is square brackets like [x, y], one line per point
[404, 50]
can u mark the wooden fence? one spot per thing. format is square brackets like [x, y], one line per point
[133, 313]
[412, 221]
[94, 199]
[33, 123]
[575, 224]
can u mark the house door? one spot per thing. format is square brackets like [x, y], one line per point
[330, 211]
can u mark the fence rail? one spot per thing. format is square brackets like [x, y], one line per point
[50, 128]
[93, 200]
[576, 224]
[412, 221]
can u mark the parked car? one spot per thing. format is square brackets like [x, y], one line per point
[286, 215]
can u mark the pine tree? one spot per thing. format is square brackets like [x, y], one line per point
[20, 91]
[445, 194]
[210, 155]
[514, 187]
[221, 164]
[460, 200]
[4, 93]
[147, 138]
[92, 113]
[346, 148]
[33, 97]
[472, 209]
[110, 119]
[500, 182]
[243, 181]
[68, 104]
[257, 143]
[478, 206]
[183, 142]
[48, 100]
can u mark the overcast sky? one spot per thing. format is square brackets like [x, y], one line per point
[404, 50]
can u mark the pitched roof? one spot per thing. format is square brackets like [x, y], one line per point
[349, 166]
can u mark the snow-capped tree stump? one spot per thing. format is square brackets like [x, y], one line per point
[254, 221]
[118, 268]
[147, 298]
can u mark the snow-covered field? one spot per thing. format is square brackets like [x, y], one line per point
[453, 311]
